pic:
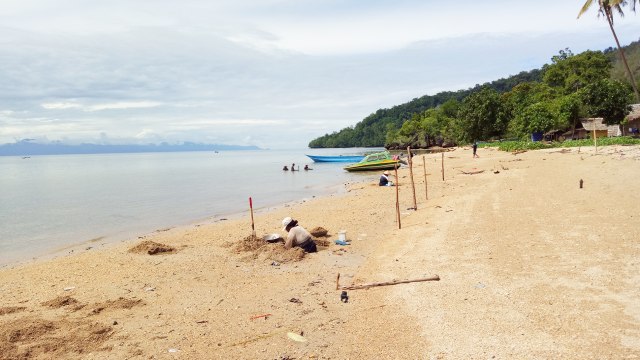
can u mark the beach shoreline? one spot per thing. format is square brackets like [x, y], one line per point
[530, 265]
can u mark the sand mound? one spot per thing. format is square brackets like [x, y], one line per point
[120, 303]
[152, 248]
[28, 338]
[318, 231]
[260, 249]
[60, 301]
[10, 309]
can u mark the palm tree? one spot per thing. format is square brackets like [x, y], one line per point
[606, 8]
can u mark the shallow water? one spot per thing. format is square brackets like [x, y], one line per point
[51, 202]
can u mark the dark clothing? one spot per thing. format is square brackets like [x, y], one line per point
[384, 180]
[309, 246]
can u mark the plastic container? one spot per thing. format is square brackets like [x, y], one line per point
[342, 235]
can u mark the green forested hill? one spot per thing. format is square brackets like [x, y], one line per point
[373, 130]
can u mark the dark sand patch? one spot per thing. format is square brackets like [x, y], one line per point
[60, 301]
[152, 248]
[29, 338]
[120, 303]
[11, 309]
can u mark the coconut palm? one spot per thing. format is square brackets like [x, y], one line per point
[606, 8]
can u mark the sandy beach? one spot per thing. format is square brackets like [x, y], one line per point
[531, 266]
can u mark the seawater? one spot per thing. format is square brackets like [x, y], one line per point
[51, 202]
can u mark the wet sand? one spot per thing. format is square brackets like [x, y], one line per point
[531, 266]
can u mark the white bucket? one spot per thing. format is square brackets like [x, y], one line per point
[342, 235]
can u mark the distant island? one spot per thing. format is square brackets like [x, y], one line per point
[27, 147]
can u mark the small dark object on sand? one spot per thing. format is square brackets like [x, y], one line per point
[344, 297]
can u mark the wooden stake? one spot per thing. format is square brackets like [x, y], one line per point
[386, 283]
[424, 166]
[395, 168]
[413, 185]
[338, 282]
[442, 166]
[595, 139]
[253, 228]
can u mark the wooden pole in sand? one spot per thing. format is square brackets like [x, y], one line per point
[442, 166]
[595, 139]
[413, 185]
[253, 228]
[424, 167]
[395, 168]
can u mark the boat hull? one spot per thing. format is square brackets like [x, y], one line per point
[373, 166]
[351, 159]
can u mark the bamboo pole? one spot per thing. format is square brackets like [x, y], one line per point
[387, 283]
[442, 166]
[397, 197]
[424, 167]
[413, 185]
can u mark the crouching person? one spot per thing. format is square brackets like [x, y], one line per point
[298, 236]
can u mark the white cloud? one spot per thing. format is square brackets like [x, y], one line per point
[267, 71]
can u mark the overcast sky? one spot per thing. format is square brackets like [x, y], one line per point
[271, 73]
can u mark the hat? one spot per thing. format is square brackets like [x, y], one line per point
[285, 222]
[386, 173]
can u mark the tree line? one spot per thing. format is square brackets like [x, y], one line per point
[589, 84]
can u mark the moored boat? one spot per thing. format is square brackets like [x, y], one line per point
[339, 158]
[378, 161]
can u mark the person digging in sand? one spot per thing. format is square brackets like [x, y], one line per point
[384, 179]
[298, 236]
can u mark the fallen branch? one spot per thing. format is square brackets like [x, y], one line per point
[394, 282]
[472, 172]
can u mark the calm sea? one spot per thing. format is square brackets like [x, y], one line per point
[50, 202]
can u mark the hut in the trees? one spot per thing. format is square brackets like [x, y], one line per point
[631, 124]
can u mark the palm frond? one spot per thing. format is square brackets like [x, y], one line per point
[586, 7]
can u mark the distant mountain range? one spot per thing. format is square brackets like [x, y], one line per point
[28, 148]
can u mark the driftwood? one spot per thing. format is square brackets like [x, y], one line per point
[386, 283]
[472, 172]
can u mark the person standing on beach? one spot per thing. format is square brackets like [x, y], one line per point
[298, 236]
[293, 167]
[475, 149]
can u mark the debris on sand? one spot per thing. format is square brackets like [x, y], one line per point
[152, 248]
[318, 231]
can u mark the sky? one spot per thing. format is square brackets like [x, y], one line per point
[270, 73]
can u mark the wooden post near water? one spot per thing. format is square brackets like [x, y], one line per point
[424, 167]
[413, 185]
[397, 197]
[442, 166]
[253, 228]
